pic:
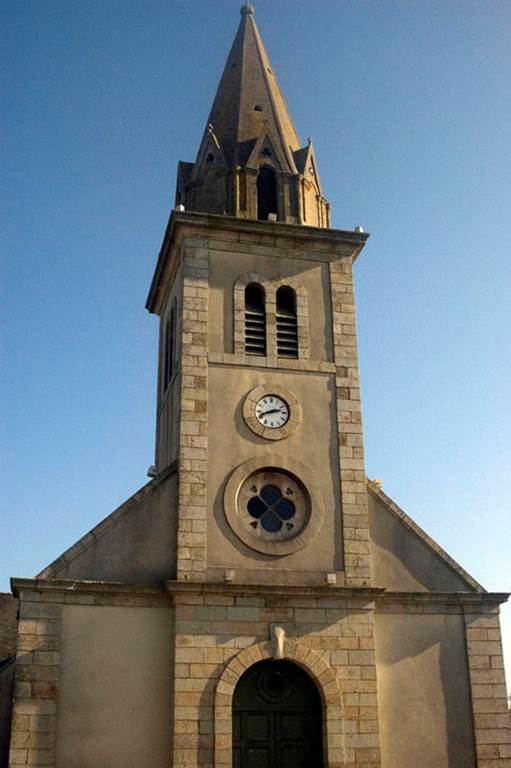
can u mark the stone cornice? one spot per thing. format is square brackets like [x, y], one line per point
[325, 244]
[73, 586]
[446, 598]
[378, 594]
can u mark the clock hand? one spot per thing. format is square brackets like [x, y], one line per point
[273, 410]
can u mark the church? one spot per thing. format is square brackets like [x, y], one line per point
[259, 603]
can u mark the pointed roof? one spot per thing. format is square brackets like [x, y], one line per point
[249, 101]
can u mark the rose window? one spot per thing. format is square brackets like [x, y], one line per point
[273, 505]
[271, 509]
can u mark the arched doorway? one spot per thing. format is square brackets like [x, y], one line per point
[276, 718]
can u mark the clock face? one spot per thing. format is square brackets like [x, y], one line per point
[272, 412]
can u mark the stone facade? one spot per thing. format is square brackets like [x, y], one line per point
[219, 636]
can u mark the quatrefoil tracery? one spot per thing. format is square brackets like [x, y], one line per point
[271, 509]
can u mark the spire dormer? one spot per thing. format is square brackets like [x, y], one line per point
[250, 162]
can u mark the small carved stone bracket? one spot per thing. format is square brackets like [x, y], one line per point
[278, 638]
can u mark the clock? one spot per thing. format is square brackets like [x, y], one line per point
[272, 411]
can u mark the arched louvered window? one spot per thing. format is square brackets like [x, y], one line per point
[266, 192]
[255, 320]
[287, 326]
[168, 361]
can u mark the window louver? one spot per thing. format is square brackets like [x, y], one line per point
[169, 348]
[287, 327]
[255, 320]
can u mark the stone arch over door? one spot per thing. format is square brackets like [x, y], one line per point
[317, 668]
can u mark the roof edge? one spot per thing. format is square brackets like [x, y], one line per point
[90, 538]
[430, 543]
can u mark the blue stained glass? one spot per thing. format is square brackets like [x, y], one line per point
[270, 494]
[256, 507]
[285, 509]
[271, 522]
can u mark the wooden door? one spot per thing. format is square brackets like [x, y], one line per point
[277, 718]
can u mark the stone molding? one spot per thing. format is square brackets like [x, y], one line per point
[279, 363]
[314, 243]
[303, 475]
[306, 658]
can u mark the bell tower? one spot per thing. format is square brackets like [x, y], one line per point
[258, 394]
[250, 162]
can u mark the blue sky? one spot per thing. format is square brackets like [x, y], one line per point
[408, 105]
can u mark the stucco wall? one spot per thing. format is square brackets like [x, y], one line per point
[423, 691]
[313, 444]
[115, 691]
[226, 267]
[138, 547]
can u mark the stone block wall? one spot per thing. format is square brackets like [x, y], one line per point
[492, 718]
[193, 440]
[36, 680]
[220, 635]
[355, 520]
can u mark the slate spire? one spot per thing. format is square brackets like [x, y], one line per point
[250, 161]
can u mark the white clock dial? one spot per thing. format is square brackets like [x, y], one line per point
[272, 412]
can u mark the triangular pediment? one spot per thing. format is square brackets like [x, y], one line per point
[135, 544]
[404, 557]
[306, 164]
[265, 152]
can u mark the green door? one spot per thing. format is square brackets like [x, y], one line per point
[276, 718]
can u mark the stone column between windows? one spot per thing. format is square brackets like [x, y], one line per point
[355, 523]
[193, 440]
[492, 718]
[34, 714]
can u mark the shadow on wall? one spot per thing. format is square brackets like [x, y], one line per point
[424, 699]
[424, 691]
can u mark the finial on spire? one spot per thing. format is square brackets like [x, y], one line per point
[247, 9]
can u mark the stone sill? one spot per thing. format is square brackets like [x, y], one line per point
[253, 361]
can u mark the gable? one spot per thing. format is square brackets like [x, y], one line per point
[404, 557]
[135, 544]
